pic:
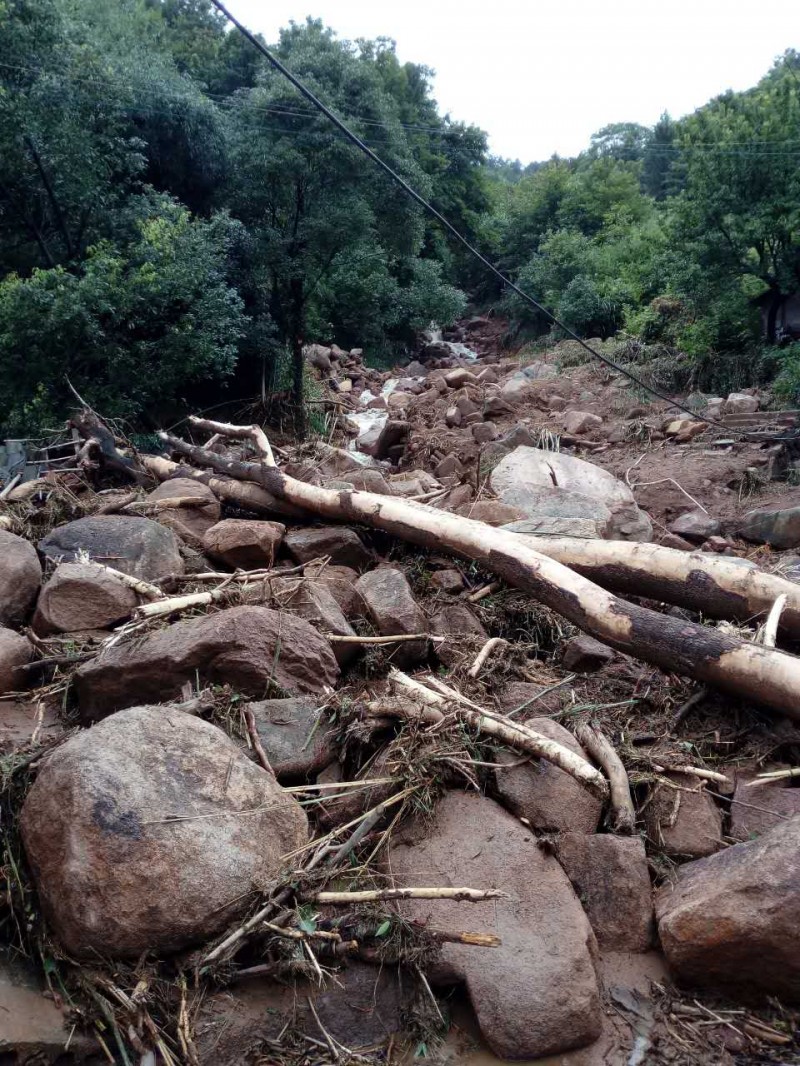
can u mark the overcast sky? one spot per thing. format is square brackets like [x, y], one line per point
[540, 76]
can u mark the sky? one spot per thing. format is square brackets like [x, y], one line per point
[540, 76]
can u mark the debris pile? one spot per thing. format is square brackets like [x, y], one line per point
[483, 707]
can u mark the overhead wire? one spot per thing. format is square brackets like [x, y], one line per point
[453, 230]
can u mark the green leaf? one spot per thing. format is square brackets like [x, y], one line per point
[384, 928]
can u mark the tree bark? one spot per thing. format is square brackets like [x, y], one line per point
[762, 674]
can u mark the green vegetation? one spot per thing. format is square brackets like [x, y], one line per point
[176, 221]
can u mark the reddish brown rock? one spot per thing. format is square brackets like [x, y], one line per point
[136, 546]
[584, 654]
[610, 875]
[341, 580]
[484, 432]
[755, 809]
[250, 648]
[16, 651]
[545, 796]
[33, 1028]
[20, 578]
[447, 581]
[462, 633]
[683, 821]
[537, 993]
[730, 921]
[244, 543]
[342, 544]
[195, 520]
[579, 422]
[123, 858]
[82, 596]
[390, 605]
[314, 601]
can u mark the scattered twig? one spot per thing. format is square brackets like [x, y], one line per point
[769, 634]
[491, 645]
[484, 591]
[458, 895]
[255, 739]
[622, 816]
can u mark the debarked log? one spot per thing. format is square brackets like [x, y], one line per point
[745, 669]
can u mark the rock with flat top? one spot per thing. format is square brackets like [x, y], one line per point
[778, 526]
[730, 921]
[253, 649]
[136, 546]
[583, 655]
[82, 596]
[576, 423]
[545, 796]
[755, 809]
[151, 831]
[33, 1028]
[244, 543]
[20, 578]
[695, 526]
[536, 994]
[740, 403]
[461, 630]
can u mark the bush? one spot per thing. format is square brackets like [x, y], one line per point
[132, 329]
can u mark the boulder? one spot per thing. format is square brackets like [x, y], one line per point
[456, 379]
[196, 519]
[16, 651]
[249, 648]
[341, 581]
[361, 1006]
[136, 546]
[82, 596]
[584, 654]
[151, 831]
[342, 544]
[517, 387]
[462, 631]
[756, 810]
[683, 822]
[778, 526]
[244, 543]
[20, 578]
[318, 356]
[682, 430]
[392, 433]
[296, 735]
[314, 601]
[740, 403]
[390, 605]
[695, 526]
[536, 994]
[730, 920]
[546, 797]
[22, 719]
[610, 875]
[551, 483]
[576, 423]
[563, 524]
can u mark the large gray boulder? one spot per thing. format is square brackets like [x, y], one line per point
[151, 831]
[136, 546]
[536, 994]
[20, 578]
[253, 649]
[551, 483]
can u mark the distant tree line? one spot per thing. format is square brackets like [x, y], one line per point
[175, 220]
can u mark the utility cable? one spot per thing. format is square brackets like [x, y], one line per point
[427, 206]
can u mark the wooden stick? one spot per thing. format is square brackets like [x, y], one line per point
[774, 775]
[255, 740]
[769, 634]
[15, 480]
[143, 588]
[176, 604]
[458, 895]
[398, 638]
[491, 645]
[224, 429]
[692, 771]
[514, 734]
[622, 816]
[484, 591]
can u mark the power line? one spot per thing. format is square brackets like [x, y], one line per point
[410, 191]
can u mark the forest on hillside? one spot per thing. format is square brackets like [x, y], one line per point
[176, 221]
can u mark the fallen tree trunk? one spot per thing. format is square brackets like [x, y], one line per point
[718, 586]
[712, 584]
[761, 674]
